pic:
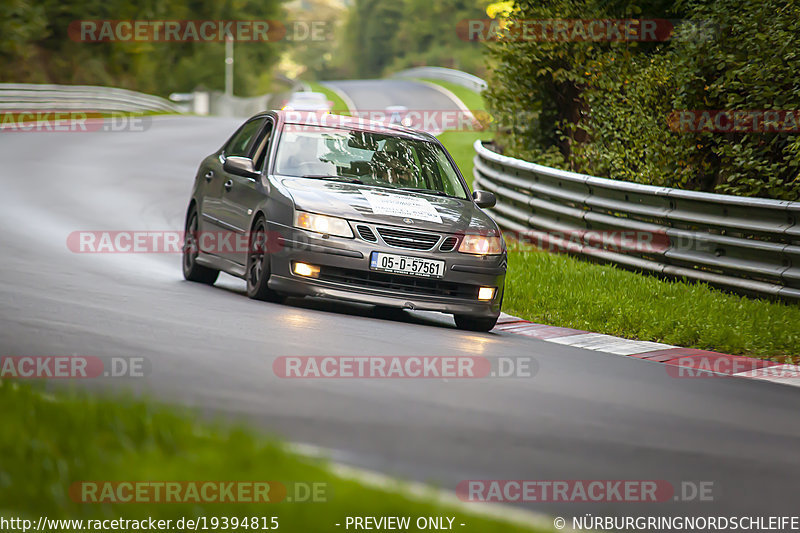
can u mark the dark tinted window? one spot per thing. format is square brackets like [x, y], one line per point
[239, 144]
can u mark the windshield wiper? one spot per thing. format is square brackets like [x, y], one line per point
[427, 191]
[333, 178]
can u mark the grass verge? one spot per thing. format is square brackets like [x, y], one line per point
[339, 105]
[49, 442]
[459, 143]
[564, 291]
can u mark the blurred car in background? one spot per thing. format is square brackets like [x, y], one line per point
[308, 101]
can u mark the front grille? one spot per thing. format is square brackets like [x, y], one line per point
[366, 233]
[410, 240]
[448, 244]
[397, 283]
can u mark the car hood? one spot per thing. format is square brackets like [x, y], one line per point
[387, 206]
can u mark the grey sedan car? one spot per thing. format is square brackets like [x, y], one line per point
[306, 204]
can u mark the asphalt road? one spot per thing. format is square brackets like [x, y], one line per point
[377, 95]
[585, 415]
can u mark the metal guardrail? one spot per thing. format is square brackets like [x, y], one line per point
[224, 105]
[242, 106]
[445, 74]
[749, 245]
[30, 97]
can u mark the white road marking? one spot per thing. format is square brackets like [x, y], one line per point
[785, 374]
[427, 493]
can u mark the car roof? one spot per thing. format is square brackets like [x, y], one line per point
[312, 118]
[308, 96]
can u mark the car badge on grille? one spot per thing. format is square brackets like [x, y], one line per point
[408, 221]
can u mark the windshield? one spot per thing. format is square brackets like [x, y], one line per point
[377, 159]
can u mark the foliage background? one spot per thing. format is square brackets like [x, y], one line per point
[383, 36]
[602, 107]
[35, 46]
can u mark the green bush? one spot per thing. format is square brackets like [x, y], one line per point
[383, 36]
[603, 107]
[35, 46]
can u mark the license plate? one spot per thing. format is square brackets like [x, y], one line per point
[404, 264]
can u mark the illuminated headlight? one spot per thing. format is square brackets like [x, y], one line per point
[322, 224]
[478, 244]
[485, 293]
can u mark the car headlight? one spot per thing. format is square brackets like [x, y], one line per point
[478, 244]
[322, 224]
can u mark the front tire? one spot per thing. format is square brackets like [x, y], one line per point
[191, 270]
[258, 266]
[473, 323]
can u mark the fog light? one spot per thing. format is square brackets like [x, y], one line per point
[304, 269]
[485, 293]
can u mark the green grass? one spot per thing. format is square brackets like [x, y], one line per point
[564, 291]
[459, 143]
[50, 441]
[339, 105]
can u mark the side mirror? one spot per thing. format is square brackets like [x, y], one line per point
[241, 166]
[484, 198]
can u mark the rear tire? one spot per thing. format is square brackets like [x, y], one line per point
[258, 266]
[191, 270]
[473, 323]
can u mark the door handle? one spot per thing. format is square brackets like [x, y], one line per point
[209, 175]
[228, 185]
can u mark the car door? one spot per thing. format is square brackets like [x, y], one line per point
[241, 195]
[215, 216]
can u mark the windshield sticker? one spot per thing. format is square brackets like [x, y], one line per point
[402, 206]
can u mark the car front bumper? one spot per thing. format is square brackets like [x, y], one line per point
[345, 274]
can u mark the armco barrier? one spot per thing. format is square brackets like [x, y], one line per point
[30, 97]
[749, 245]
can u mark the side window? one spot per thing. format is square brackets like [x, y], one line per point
[262, 145]
[239, 145]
